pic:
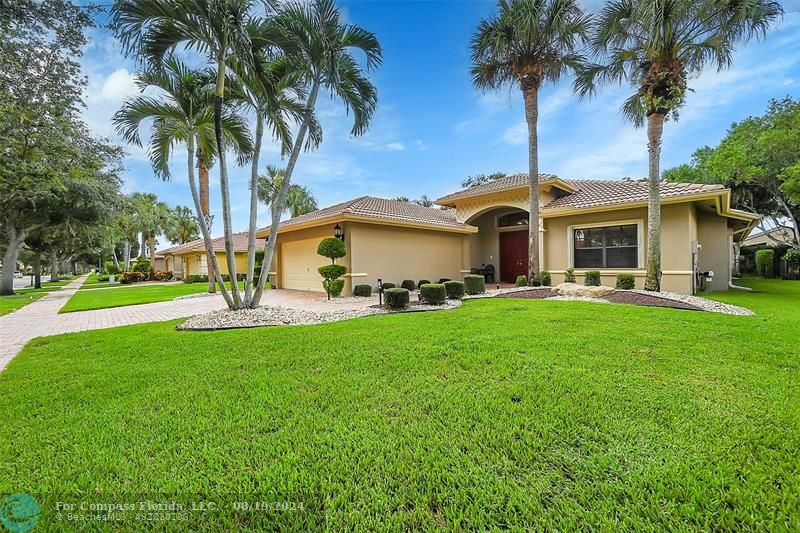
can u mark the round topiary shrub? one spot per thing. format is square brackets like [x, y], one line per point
[474, 284]
[334, 287]
[592, 278]
[396, 298]
[626, 282]
[432, 293]
[522, 281]
[422, 282]
[544, 278]
[332, 248]
[408, 284]
[454, 289]
[362, 290]
[386, 285]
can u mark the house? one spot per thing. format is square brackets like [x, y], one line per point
[773, 237]
[585, 225]
[191, 258]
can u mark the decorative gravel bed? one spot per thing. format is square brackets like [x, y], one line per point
[285, 316]
[635, 297]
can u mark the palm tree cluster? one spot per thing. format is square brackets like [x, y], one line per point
[269, 62]
[655, 45]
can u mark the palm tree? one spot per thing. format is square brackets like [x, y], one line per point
[321, 48]
[182, 114]
[151, 217]
[528, 43]
[216, 28]
[299, 200]
[182, 226]
[656, 45]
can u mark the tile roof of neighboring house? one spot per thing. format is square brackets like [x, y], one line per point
[593, 193]
[509, 182]
[239, 245]
[381, 208]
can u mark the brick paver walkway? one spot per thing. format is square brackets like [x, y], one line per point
[40, 318]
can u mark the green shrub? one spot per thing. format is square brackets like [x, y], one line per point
[332, 248]
[522, 281]
[422, 282]
[544, 278]
[386, 285]
[593, 278]
[408, 284]
[332, 271]
[626, 282]
[569, 275]
[396, 298]
[196, 278]
[240, 276]
[454, 289]
[333, 287]
[433, 293]
[362, 290]
[474, 284]
[102, 278]
[535, 281]
[765, 260]
[792, 255]
[142, 264]
[111, 268]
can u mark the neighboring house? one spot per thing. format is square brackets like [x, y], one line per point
[773, 237]
[191, 258]
[585, 225]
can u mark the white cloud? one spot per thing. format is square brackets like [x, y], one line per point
[119, 85]
[421, 145]
[395, 147]
[517, 134]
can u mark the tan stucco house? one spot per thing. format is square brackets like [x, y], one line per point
[585, 225]
[191, 258]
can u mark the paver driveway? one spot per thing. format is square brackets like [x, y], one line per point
[41, 318]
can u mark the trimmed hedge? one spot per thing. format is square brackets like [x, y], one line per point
[522, 281]
[544, 278]
[432, 293]
[593, 278]
[196, 278]
[362, 290]
[386, 285]
[396, 298]
[422, 282]
[133, 277]
[332, 271]
[569, 275]
[626, 282]
[765, 263]
[162, 275]
[408, 284]
[454, 289]
[474, 284]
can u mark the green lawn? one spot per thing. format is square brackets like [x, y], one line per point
[130, 295]
[15, 301]
[520, 414]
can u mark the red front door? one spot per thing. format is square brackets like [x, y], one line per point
[513, 255]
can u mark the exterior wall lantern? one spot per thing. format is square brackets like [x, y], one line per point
[338, 232]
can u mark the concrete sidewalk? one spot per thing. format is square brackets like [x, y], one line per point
[40, 318]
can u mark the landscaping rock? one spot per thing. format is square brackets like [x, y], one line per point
[576, 289]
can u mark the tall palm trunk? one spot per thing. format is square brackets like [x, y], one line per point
[53, 265]
[126, 250]
[203, 226]
[230, 252]
[280, 202]
[251, 234]
[143, 244]
[151, 242]
[531, 93]
[206, 211]
[655, 129]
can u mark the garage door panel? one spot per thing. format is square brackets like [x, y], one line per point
[300, 262]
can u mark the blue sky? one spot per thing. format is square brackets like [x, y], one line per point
[432, 128]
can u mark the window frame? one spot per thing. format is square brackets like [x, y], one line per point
[608, 224]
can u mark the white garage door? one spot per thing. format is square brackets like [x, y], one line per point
[300, 263]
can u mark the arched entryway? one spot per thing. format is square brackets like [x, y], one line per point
[501, 243]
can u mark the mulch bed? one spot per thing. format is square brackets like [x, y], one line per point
[622, 297]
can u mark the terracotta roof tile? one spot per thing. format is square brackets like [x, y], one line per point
[239, 244]
[593, 193]
[382, 208]
[509, 182]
